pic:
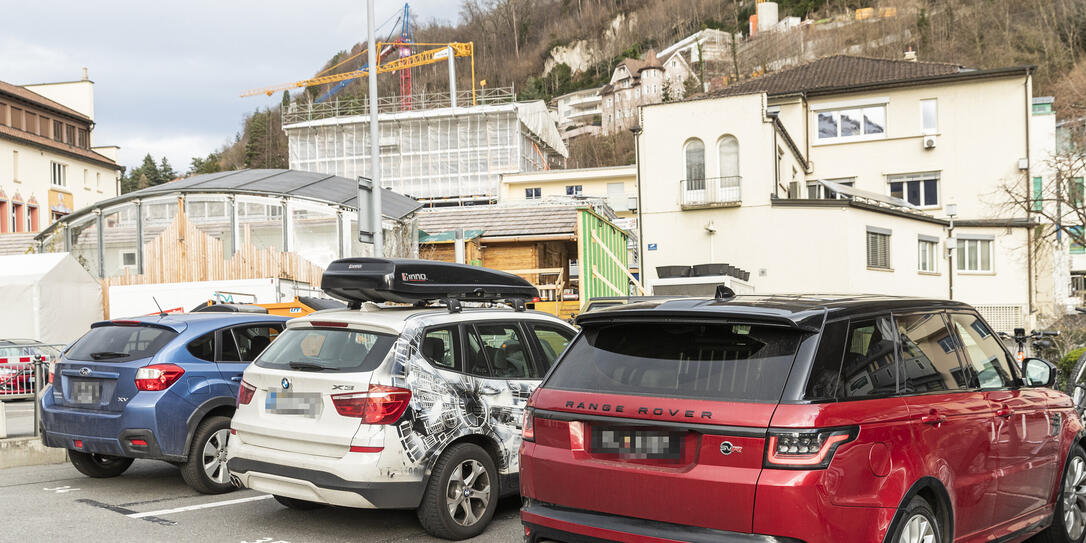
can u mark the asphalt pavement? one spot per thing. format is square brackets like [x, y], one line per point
[150, 502]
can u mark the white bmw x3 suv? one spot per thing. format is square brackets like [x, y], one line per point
[400, 407]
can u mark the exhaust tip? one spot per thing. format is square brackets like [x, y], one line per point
[236, 482]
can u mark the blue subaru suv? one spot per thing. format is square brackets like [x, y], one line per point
[161, 387]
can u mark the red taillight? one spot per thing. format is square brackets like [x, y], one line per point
[78, 443]
[804, 449]
[245, 393]
[125, 323]
[328, 324]
[527, 426]
[158, 376]
[138, 443]
[358, 449]
[233, 432]
[379, 405]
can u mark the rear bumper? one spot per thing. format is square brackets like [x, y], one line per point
[110, 432]
[549, 523]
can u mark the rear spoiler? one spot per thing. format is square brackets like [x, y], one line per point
[136, 322]
[810, 321]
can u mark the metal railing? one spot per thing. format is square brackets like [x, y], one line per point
[711, 192]
[300, 112]
[24, 377]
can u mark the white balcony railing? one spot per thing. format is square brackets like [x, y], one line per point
[710, 192]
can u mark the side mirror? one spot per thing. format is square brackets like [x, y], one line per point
[1039, 373]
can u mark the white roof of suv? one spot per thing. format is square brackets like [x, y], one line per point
[393, 319]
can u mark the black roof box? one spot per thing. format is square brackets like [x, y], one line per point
[361, 279]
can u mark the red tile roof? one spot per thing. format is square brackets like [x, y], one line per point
[37, 99]
[42, 141]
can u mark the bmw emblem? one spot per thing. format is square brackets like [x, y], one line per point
[84, 371]
[286, 383]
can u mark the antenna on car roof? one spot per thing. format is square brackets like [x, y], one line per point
[161, 313]
[724, 293]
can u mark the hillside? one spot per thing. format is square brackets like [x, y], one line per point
[545, 48]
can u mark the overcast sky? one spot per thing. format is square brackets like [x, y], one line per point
[168, 73]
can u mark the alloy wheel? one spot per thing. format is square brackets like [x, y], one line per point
[214, 457]
[468, 493]
[917, 530]
[1074, 498]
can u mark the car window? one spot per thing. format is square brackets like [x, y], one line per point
[552, 341]
[439, 346]
[476, 355]
[869, 367]
[929, 358]
[825, 375]
[987, 364]
[203, 347]
[120, 343]
[228, 348]
[507, 351]
[326, 350]
[250, 341]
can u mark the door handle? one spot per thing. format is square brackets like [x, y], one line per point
[933, 417]
[236, 378]
[1004, 412]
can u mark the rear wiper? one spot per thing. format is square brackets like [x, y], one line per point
[107, 354]
[308, 366]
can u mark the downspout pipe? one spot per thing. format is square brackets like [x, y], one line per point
[1029, 163]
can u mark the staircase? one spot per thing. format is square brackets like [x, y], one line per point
[15, 244]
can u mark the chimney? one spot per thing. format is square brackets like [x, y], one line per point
[910, 55]
[85, 76]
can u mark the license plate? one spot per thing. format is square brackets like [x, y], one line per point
[86, 391]
[307, 404]
[637, 444]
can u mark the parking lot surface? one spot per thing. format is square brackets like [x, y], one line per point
[150, 502]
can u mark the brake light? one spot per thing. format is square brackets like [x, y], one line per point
[527, 425]
[158, 376]
[379, 405]
[245, 393]
[138, 442]
[360, 449]
[125, 323]
[328, 324]
[805, 449]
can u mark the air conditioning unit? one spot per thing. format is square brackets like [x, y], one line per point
[929, 142]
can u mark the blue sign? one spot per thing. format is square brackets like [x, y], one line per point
[652, 246]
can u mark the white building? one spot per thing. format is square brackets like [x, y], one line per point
[736, 178]
[49, 163]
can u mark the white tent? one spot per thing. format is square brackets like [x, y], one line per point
[48, 297]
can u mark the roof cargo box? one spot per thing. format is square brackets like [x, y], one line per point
[357, 280]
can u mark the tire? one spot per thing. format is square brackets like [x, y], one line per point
[100, 466]
[919, 524]
[1069, 521]
[462, 467]
[205, 470]
[300, 505]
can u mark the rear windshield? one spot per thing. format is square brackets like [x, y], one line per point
[728, 362]
[323, 349]
[120, 343]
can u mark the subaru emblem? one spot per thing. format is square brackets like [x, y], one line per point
[286, 383]
[84, 371]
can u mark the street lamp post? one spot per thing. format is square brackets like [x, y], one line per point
[951, 246]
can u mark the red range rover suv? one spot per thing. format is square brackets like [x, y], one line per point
[799, 419]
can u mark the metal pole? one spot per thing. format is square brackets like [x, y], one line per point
[458, 246]
[452, 77]
[375, 145]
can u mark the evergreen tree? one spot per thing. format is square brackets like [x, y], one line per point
[143, 182]
[166, 172]
[286, 100]
[210, 164]
[148, 169]
[256, 146]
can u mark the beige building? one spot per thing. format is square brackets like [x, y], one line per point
[639, 82]
[843, 175]
[615, 184]
[49, 164]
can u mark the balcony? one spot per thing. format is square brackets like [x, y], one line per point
[710, 192]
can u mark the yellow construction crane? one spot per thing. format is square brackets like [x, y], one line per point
[429, 56]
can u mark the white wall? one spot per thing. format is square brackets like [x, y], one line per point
[78, 95]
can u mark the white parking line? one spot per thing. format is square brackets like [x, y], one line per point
[199, 506]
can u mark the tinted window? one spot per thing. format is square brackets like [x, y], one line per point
[986, 361]
[252, 340]
[734, 362]
[320, 349]
[868, 368]
[552, 341]
[507, 351]
[120, 343]
[439, 347]
[476, 356]
[825, 376]
[203, 347]
[928, 358]
[228, 348]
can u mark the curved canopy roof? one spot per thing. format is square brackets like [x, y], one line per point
[332, 189]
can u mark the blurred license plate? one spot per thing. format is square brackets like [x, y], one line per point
[629, 443]
[294, 403]
[86, 391]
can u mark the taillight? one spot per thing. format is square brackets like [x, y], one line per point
[805, 449]
[245, 393]
[158, 376]
[379, 405]
[527, 425]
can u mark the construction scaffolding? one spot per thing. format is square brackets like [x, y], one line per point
[447, 154]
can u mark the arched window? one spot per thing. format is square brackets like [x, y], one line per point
[694, 152]
[728, 154]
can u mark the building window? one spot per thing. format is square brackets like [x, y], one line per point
[927, 260]
[15, 165]
[1075, 191]
[728, 154]
[878, 248]
[69, 134]
[31, 122]
[31, 219]
[573, 190]
[694, 153]
[929, 116]
[818, 191]
[16, 210]
[128, 259]
[82, 138]
[3, 114]
[920, 190]
[1076, 248]
[1038, 201]
[974, 255]
[60, 174]
[533, 193]
[58, 131]
[855, 123]
[98, 181]
[86, 178]
[16, 118]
